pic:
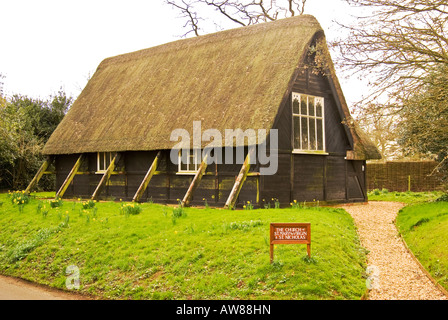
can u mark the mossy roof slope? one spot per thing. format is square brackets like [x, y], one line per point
[227, 80]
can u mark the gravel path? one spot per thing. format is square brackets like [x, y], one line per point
[17, 289]
[393, 273]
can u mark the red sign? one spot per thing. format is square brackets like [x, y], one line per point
[290, 233]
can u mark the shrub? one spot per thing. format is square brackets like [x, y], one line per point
[276, 203]
[55, 203]
[179, 212]
[245, 225]
[443, 197]
[248, 206]
[88, 204]
[295, 205]
[19, 197]
[130, 208]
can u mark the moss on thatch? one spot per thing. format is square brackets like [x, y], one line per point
[227, 80]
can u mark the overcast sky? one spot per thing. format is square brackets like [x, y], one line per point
[48, 44]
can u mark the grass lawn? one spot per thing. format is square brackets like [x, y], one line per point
[166, 253]
[425, 230]
[407, 197]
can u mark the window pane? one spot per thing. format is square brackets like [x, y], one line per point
[183, 161]
[312, 132]
[319, 107]
[296, 132]
[100, 160]
[295, 106]
[303, 104]
[304, 122]
[311, 106]
[320, 139]
[107, 156]
[197, 159]
[191, 162]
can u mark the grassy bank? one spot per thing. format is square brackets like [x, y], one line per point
[425, 230]
[407, 197]
[168, 253]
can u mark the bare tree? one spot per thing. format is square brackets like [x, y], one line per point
[237, 12]
[382, 130]
[396, 45]
[401, 46]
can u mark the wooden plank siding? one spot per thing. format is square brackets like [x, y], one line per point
[166, 185]
[305, 177]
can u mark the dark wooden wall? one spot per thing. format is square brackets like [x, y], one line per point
[165, 187]
[307, 177]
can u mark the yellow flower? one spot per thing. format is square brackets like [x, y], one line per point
[121, 199]
[248, 202]
[244, 207]
[291, 203]
[79, 199]
[295, 201]
[175, 232]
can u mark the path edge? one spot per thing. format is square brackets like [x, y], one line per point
[49, 289]
[426, 272]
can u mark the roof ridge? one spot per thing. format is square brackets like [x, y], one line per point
[210, 37]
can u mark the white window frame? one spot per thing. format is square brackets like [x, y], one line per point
[307, 149]
[192, 168]
[101, 166]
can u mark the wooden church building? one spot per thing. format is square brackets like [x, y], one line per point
[114, 142]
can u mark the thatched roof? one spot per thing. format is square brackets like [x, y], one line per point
[231, 79]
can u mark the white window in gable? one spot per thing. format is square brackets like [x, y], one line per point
[308, 123]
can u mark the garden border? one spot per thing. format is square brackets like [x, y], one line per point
[438, 285]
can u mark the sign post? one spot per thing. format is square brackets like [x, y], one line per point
[290, 233]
